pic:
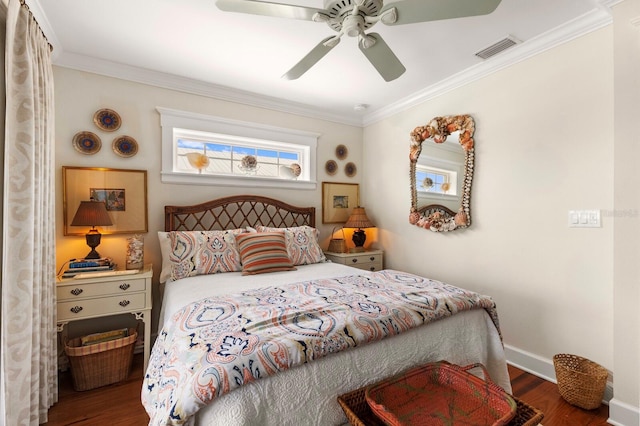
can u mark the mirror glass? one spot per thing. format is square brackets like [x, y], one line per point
[441, 163]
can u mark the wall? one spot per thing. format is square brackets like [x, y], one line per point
[79, 95]
[544, 133]
[626, 269]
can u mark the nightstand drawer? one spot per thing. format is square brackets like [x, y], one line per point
[367, 266]
[82, 290]
[364, 259]
[84, 308]
[369, 261]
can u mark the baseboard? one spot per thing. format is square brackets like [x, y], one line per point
[543, 368]
[622, 414]
[531, 363]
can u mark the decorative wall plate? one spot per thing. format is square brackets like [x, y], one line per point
[341, 152]
[331, 167]
[350, 169]
[125, 146]
[107, 120]
[87, 143]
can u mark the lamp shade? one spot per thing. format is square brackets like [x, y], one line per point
[358, 219]
[91, 213]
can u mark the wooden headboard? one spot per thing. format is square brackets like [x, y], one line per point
[237, 211]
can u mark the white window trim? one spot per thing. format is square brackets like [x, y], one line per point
[171, 118]
[444, 165]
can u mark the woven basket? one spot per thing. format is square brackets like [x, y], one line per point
[441, 393]
[581, 382]
[337, 245]
[100, 364]
[359, 413]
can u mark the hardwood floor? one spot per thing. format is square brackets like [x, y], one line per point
[119, 404]
[114, 405]
[544, 396]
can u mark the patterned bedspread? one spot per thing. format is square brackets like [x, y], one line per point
[218, 344]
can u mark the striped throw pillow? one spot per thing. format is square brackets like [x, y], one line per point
[302, 243]
[263, 252]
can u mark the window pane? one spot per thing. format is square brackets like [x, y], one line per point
[226, 158]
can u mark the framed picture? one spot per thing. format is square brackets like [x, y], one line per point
[123, 191]
[338, 200]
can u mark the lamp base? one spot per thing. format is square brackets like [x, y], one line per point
[93, 240]
[93, 254]
[358, 238]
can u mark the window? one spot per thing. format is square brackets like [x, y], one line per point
[436, 181]
[203, 149]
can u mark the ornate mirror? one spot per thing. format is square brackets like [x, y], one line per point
[441, 173]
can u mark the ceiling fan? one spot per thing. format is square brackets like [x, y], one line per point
[354, 17]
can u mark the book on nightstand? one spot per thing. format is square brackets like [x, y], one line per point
[88, 265]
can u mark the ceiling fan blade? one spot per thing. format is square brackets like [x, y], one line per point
[310, 59]
[268, 9]
[413, 11]
[382, 58]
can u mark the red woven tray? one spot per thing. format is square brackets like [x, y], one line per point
[441, 393]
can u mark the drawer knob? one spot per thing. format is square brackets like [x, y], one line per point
[354, 260]
[373, 268]
[372, 258]
[124, 303]
[124, 286]
[76, 291]
[76, 309]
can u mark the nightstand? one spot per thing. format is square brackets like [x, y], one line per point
[80, 299]
[371, 260]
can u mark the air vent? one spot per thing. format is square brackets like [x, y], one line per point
[498, 47]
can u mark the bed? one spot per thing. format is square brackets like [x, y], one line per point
[292, 380]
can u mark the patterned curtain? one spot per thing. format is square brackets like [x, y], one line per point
[28, 318]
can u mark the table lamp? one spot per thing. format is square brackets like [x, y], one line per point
[92, 213]
[358, 219]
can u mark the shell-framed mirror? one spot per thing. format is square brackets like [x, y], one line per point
[441, 173]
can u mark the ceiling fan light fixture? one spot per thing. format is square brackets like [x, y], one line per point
[352, 25]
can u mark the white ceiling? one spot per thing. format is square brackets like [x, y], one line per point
[191, 45]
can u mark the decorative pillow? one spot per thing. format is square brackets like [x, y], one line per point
[302, 244]
[190, 253]
[263, 252]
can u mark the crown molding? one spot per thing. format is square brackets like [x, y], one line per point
[591, 21]
[196, 87]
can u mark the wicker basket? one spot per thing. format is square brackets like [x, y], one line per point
[581, 382]
[441, 393]
[100, 364]
[337, 245]
[359, 413]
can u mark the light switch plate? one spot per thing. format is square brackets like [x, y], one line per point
[584, 219]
